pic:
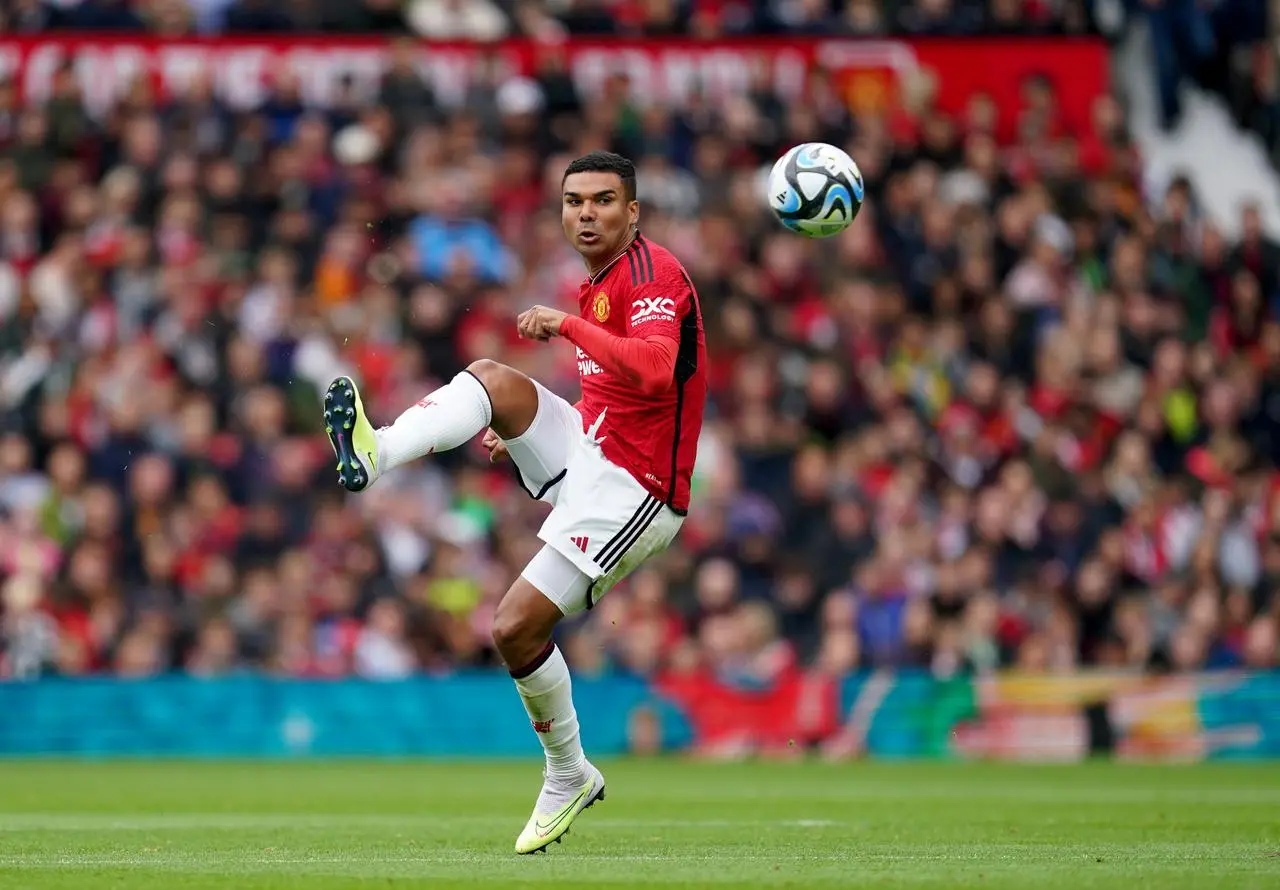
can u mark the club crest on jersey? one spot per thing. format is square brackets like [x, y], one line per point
[600, 309]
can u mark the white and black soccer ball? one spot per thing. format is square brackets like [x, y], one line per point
[816, 190]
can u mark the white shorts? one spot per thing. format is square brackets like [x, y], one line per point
[603, 522]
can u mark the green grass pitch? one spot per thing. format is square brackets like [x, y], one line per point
[339, 825]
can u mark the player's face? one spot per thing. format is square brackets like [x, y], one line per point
[597, 216]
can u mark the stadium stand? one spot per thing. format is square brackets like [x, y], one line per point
[1021, 414]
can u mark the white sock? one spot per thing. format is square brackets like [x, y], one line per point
[548, 697]
[447, 418]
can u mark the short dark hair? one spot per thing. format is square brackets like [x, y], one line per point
[605, 162]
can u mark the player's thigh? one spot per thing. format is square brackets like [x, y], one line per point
[653, 540]
[542, 452]
[557, 578]
[605, 522]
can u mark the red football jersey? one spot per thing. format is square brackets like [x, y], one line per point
[646, 291]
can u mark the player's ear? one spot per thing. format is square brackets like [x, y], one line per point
[633, 210]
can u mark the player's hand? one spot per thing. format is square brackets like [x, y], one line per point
[540, 323]
[497, 450]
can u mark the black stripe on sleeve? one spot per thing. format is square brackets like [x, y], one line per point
[647, 257]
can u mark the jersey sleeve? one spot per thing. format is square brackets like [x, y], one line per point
[658, 307]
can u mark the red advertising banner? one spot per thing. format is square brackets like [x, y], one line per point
[782, 718]
[870, 72]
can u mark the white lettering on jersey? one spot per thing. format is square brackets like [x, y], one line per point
[657, 309]
[587, 366]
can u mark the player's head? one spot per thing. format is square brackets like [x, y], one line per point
[598, 204]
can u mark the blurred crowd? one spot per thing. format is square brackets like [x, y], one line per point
[1020, 414]
[543, 19]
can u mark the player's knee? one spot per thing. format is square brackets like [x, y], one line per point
[512, 395]
[489, 372]
[522, 624]
[506, 626]
[510, 633]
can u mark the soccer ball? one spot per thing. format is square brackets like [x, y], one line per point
[815, 189]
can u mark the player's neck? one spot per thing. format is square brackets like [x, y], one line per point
[594, 269]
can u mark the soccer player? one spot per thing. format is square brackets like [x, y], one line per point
[615, 467]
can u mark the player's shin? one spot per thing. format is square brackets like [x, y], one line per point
[547, 693]
[449, 417]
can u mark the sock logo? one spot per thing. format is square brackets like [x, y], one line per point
[580, 543]
[426, 402]
[543, 726]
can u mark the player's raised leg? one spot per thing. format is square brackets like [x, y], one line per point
[486, 394]
[522, 629]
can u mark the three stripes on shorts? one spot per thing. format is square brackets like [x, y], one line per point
[611, 554]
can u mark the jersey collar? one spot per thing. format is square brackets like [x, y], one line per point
[595, 279]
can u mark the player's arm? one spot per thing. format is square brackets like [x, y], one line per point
[648, 362]
[647, 354]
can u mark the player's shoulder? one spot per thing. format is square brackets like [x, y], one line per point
[650, 261]
[663, 259]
